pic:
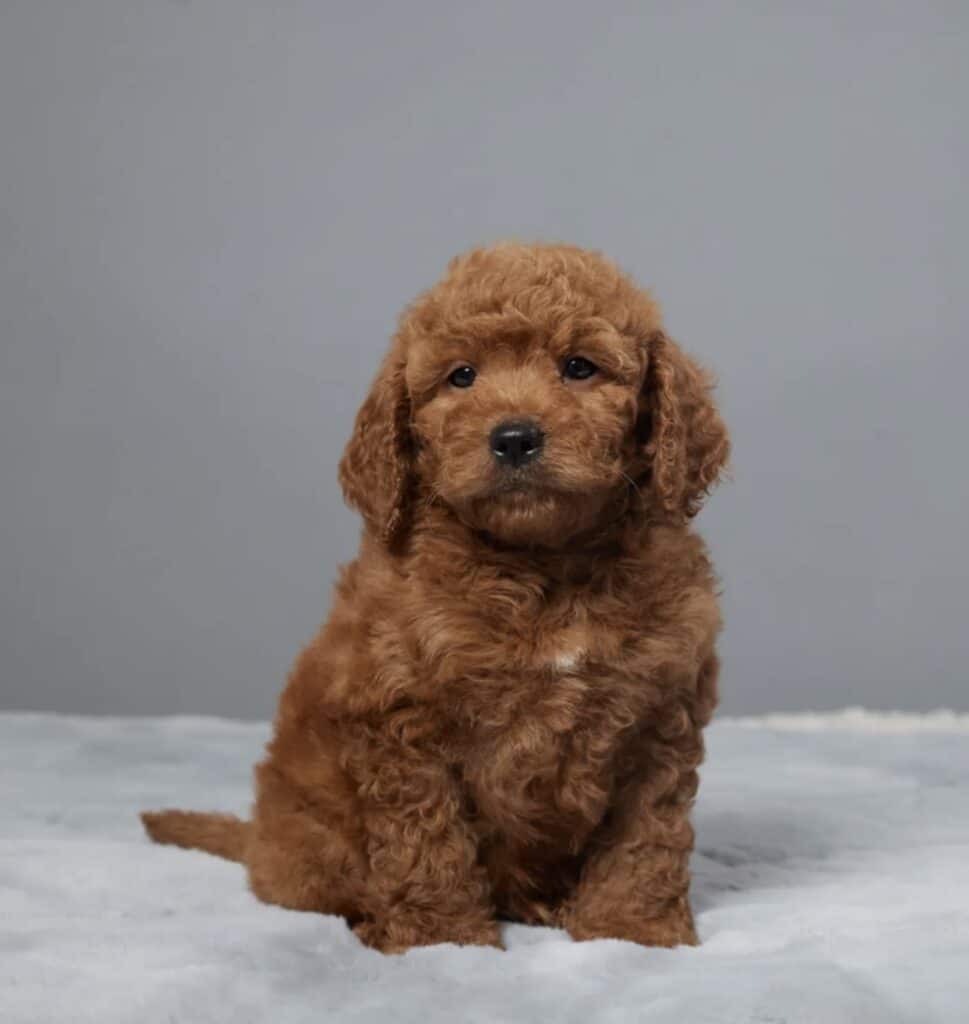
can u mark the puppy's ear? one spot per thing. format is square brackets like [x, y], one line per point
[376, 471]
[686, 442]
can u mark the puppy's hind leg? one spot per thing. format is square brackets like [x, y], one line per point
[296, 862]
[299, 859]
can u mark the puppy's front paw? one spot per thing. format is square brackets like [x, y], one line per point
[396, 935]
[674, 929]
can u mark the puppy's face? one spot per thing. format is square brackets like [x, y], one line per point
[526, 435]
[525, 391]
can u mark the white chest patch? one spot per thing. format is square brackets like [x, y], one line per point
[565, 661]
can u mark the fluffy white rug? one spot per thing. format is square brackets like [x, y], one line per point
[831, 884]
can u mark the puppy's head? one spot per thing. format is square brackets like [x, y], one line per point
[533, 392]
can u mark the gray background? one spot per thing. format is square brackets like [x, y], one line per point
[211, 213]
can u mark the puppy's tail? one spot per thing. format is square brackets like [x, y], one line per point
[222, 834]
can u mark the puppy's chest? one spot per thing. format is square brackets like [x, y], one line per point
[502, 644]
[536, 741]
[535, 709]
[544, 675]
[541, 769]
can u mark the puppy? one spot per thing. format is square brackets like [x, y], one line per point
[502, 717]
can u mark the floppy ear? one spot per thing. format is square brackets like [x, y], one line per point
[376, 471]
[686, 441]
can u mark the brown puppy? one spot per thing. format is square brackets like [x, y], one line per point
[502, 717]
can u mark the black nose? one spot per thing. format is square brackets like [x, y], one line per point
[516, 442]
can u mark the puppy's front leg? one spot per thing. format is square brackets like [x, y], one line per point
[635, 884]
[425, 885]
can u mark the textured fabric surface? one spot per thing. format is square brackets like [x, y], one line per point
[831, 884]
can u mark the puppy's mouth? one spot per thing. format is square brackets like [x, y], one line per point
[520, 487]
[539, 486]
[519, 482]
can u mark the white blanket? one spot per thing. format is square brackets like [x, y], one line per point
[831, 883]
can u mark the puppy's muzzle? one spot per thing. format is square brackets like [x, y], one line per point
[515, 443]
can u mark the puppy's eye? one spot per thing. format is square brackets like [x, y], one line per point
[579, 368]
[462, 377]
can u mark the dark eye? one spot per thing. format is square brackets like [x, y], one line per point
[462, 377]
[579, 368]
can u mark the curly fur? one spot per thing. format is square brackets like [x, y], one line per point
[502, 716]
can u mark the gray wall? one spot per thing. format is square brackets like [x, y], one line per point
[212, 211]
